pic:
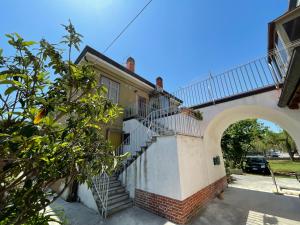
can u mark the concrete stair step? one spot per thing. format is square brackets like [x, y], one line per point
[118, 195]
[116, 190]
[114, 183]
[119, 198]
[113, 178]
[119, 206]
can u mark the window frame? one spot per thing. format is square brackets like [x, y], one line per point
[109, 89]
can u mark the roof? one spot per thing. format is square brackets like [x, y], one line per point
[96, 53]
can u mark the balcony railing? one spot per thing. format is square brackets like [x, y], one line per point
[254, 75]
[138, 110]
[168, 121]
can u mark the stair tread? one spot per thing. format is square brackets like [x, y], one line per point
[114, 184]
[117, 200]
[119, 204]
[115, 188]
[118, 195]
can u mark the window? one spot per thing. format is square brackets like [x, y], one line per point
[164, 102]
[113, 89]
[292, 29]
[126, 139]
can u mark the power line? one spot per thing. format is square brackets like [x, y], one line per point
[125, 28]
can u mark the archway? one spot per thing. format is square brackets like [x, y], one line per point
[258, 189]
[221, 120]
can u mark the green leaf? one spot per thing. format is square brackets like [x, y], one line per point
[44, 159]
[28, 43]
[10, 90]
[63, 109]
[93, 125]
[9, 35]
[13, 82]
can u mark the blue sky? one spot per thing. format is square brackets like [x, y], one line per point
[181, 41]
[272, 126]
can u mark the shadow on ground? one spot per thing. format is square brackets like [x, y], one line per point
[250, 207]
[239, 207]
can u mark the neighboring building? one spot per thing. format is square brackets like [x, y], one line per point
[284, 37]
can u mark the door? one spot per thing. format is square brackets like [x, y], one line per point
[115, 138]
[142, 108]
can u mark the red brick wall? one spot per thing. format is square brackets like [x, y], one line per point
[178, 211]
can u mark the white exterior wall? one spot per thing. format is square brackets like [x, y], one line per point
[138, 137]
[156, 170]
[196, 167]
[86, 197]
[174, 166]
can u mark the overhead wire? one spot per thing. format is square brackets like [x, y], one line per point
[126, 27]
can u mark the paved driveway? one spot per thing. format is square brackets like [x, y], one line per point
[248, 201]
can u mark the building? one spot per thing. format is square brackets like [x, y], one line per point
[284, 37]
[136, 95]
[176, 164]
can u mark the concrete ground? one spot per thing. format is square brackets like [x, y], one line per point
[248, 201]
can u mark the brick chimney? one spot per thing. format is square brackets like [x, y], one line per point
[159, 83]
[130, 64]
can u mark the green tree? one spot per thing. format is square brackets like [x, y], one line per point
[266, 141]
[287, 144]
[238, 140]
[50, 129]
[281, 141]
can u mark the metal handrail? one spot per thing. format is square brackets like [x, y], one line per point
[176, 121]
[160, 122]
[101, 185]
[138, 110]
[254, 75]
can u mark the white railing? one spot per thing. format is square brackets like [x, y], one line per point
[101, 185]
[268, 71]
[177, 120]
[169, 121]
[139, 110]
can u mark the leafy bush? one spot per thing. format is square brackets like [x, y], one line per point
[52, 116]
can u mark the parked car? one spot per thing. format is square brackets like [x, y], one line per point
[274, 154]
[256, 164]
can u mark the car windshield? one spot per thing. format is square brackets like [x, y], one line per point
[256, 160]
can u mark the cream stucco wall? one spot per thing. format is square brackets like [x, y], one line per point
[128, 92]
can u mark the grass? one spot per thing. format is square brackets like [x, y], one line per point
[284, 166]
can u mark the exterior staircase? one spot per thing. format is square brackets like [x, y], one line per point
[114, 196]
[117, 198]
[155, 127]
